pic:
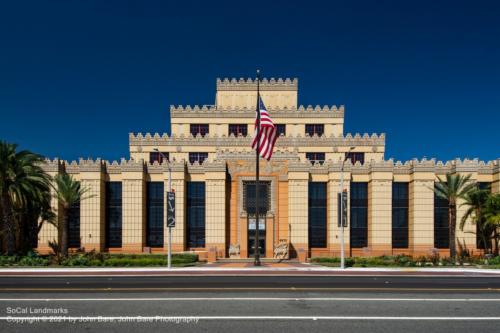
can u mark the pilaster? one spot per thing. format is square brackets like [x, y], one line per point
[380, 213]
[421, 212]
[48, 232]
[334, 232]
[179, 187]
[298, 212]
[134, 208]
[215, 226]
[92, 210]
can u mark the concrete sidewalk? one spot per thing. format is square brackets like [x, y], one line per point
[247, 269]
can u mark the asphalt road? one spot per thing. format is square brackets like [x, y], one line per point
[224, 283]
[250, 304]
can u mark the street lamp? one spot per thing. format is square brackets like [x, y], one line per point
[341, 190]
[169, 260]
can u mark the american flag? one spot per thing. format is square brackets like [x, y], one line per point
[267, 133]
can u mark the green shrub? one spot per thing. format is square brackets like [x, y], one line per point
[326, 259]
[100, 259]
[494, 261]
[123, 260]
[95, 262]
[349, 262]
[77, 260]
[8, 260]
[135, 262]
[33, 259]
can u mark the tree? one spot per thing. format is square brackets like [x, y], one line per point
[492, 216]
[68, 192]
[21, 180]
[476, 200]
[453, 188]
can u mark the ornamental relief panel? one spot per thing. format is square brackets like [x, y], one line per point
[266, 168]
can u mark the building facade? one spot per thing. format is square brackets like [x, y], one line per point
[391, 206]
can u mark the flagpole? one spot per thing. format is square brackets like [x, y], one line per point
[257, 218]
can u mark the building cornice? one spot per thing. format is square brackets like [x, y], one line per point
[294, 165]
[241, 141]
[211, 111]
[243, 84]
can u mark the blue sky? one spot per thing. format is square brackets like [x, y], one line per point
[77, 76]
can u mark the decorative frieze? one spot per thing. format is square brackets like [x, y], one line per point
[278, 155]
[266, 167]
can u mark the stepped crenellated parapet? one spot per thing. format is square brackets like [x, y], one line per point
[54, 165]
[401, 168]
[302, 111]
[84, 165]
[251, 84]
[294, 164]
[489, 168]
[113, 167]
[156, 167]
[423, 165]
[241, 141]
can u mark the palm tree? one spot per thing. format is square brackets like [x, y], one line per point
[21, 180]
[68, 192]
[453, 188]
[476, 201]
[37, 212]
[492, 216]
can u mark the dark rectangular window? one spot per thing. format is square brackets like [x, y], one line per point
[315, 129]
[249, 197]
[400, 215]
[479, 238]
[441, 223]
[154, 213]
[195, 214]
[238, 129]
[317, 214]
[113, 214]
[355, 157]
[198, 129]
[280, 129]
[74, 225]
[316, 157]
[155, 156]
[197, 157]
[359, 215]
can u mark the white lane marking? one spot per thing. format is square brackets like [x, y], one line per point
[326, 299]
[173, 318]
